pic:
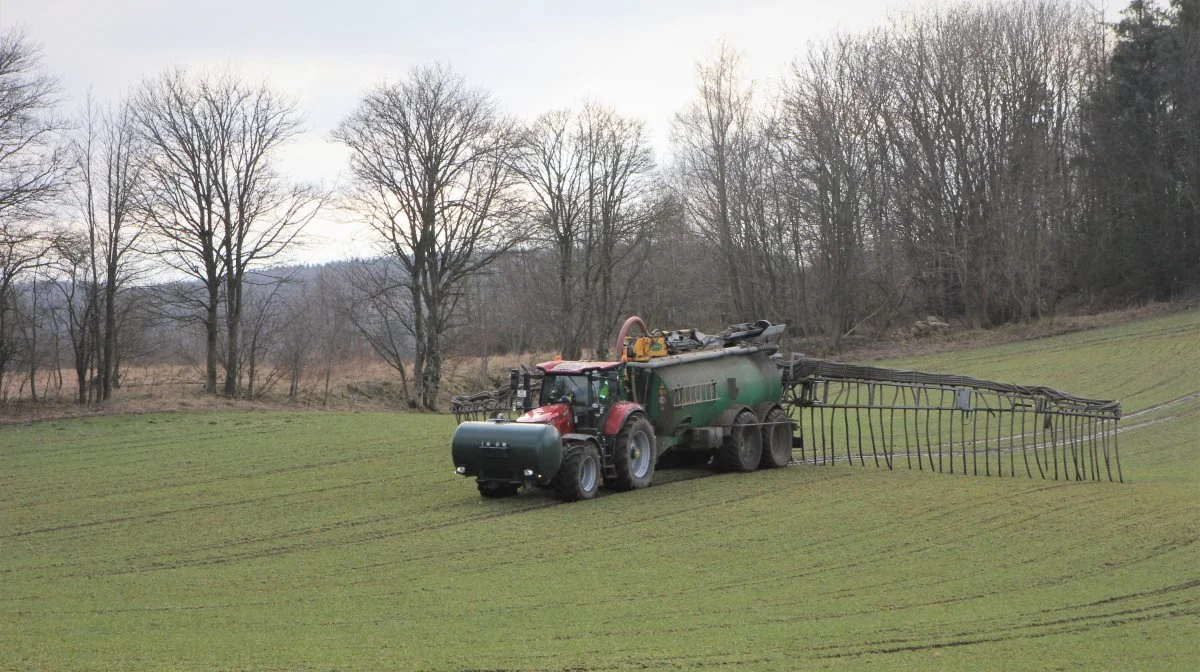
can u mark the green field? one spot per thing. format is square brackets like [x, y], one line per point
[340, 541]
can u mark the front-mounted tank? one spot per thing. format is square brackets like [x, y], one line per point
[506, 452]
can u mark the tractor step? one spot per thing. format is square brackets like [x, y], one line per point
[607, 465]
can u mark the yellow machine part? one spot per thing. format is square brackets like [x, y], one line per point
[644, 348]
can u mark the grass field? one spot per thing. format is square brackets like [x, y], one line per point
[343, 541]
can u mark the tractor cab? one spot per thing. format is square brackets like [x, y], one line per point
[575, 397]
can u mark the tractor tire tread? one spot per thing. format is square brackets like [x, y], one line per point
[731, 456]
[566, 482]
[775, 456]
[625, 479]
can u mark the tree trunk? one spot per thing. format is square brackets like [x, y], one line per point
[33, 347]
[568, 340]
[212, 334]
[431, 373]
[420, 348]
[108, 358]
[233, 319]
[251, 366]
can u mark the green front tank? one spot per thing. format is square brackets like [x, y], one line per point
[692, 390]
[503, 451]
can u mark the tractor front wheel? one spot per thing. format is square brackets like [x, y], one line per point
[634, 455]
[579, 476]
[742, 450]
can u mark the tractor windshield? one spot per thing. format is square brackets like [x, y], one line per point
[572, 389]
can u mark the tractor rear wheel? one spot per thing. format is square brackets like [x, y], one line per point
[634, 455]
[579, 476]
[742, 450]
[496, 489]
[776, 439]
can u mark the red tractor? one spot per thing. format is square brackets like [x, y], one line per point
[582, 430]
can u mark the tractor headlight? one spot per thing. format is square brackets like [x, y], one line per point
[460, 470]
[528, 473]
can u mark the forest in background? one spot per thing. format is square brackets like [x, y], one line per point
[985, 163]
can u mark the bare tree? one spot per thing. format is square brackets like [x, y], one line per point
[684, 261]
[261, 215]
[431, 162]
[261, 328]
[77, 286]
[299, 333]
[31, 162]
[620, 208]
[31, 170]
[985, 142]
[334, 336]
[375, 300]
[108, 163]
[706, 137]
[554, 166]
[22, 249]
[515, 299]
[35, 319]
[180, 204]
[216, 204]
[593, 178]
[827, 123]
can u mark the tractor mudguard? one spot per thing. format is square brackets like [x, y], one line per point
[581, 437]
[617, 416]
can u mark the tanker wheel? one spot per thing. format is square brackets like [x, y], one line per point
[776, 439]
[633, 455]
[496, 489]
[742, 450]
[579, 476]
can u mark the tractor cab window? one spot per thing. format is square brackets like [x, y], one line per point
[606, 387]
[572, 389]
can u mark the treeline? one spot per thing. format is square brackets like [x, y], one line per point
[983, 162]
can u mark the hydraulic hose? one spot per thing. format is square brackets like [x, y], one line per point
[632, 320]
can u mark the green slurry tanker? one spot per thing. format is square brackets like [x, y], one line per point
[682, 393]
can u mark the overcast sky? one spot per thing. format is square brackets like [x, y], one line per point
[637, 56]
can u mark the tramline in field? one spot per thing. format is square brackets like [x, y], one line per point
[732, 400]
